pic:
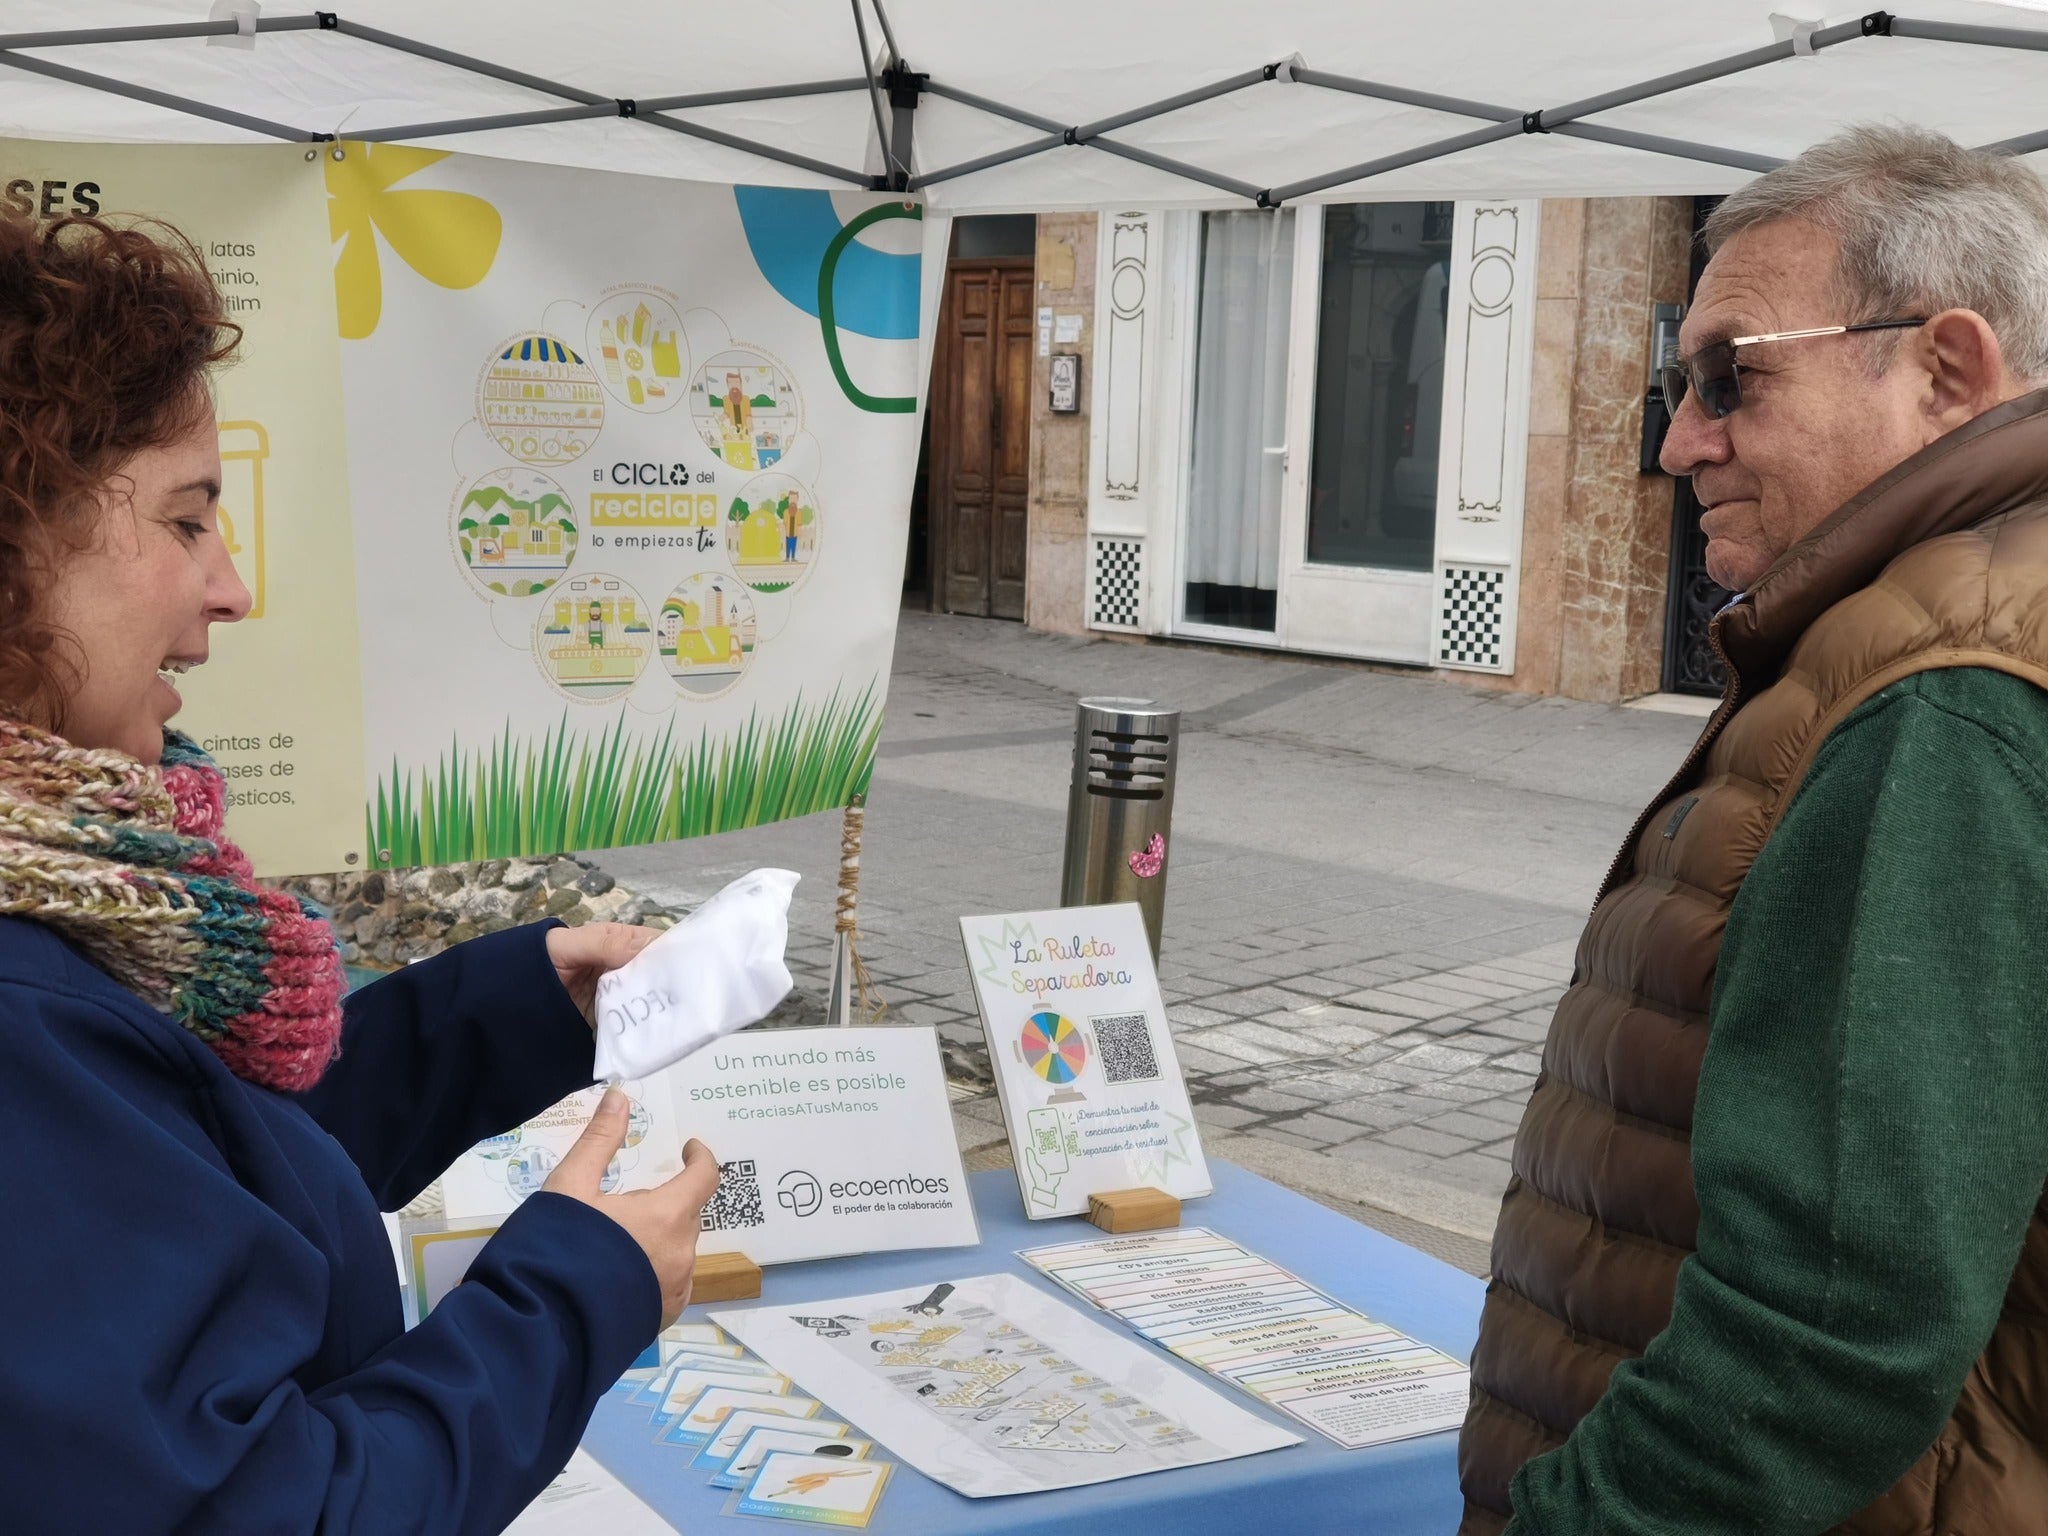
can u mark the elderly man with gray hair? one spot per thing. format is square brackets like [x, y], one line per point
[1774, 1256]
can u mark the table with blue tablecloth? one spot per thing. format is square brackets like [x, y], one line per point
[1409, 1486]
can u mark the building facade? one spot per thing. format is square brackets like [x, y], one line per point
[1408, 433]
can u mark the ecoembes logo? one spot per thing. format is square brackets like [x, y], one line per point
[799, 1193]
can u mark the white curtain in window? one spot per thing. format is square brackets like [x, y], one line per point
[1240, 399]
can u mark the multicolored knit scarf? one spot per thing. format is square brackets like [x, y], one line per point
[127, 862]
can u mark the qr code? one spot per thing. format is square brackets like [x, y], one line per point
[737, 1200]
[1125, 1043]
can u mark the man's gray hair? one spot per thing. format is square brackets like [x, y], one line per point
[1924, 225]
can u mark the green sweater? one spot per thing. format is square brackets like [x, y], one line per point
[1870, 1139]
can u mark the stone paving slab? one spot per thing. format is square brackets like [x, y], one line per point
[1376, 886]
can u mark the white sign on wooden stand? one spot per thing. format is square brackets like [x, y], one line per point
[1084, 1063]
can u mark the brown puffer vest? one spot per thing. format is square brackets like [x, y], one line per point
[1941, 563]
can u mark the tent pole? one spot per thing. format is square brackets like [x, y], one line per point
[989, 162]
[1457, 106]
[889, 36]
[906, 88]
[997, 109]
[1699, 74]
[1962, 32]
[598, 109]
[867, 65]
[1683, 149]
[1087, 131]
[1243, 189]
[79, 37]
[475, 66]
[484, 124]
[164, 99]
[2025, 144]
[751, 93]
[1274, 196]
[765, 151]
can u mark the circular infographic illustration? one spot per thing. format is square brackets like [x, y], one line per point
[539, 401]
[771, 532]
[516, 532]
[746, 408]
[638, 1123]
[636, 341]
[707, 633]
[1054, 1048]
[593, 637]
[527, 1169]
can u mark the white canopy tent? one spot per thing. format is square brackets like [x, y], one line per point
[1056, 104]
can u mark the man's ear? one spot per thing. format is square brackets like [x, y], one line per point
[1965, 368]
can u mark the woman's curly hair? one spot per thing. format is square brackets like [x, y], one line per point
[106, 335]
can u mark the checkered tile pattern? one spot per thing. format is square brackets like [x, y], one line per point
[1472, 624]
[1117, 584]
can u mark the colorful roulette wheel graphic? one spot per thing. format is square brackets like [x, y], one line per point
[1055, 1049]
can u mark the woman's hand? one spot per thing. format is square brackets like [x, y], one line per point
[582, 955]
[663, 1220]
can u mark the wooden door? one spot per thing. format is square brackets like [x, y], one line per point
[981, 437]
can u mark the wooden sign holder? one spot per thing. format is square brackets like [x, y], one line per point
[1134, 1210]
[725, 1277]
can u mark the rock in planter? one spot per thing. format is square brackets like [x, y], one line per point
[387, 917]
[523, 875]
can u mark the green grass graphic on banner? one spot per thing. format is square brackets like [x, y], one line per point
[574, 790]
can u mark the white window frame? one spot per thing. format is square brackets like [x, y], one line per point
[1399, 609]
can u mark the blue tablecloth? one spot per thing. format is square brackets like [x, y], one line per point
[1410, 1486]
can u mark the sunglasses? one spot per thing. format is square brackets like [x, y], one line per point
[1712, 375]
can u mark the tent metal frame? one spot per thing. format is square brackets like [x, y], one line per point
[903, 88]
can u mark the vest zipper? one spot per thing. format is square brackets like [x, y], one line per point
[1723, 713]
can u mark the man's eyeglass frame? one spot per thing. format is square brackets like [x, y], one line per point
[1713, 375]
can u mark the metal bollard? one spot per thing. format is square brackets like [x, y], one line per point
[1120, 808]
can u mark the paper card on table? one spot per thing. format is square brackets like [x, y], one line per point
[1085, 1070]
[953, 1377]
[744, 1421]
[696, 1358]
[684, 1386]
[585, 1498]
[670, 1351]
[699, 1421]
[1221, 1307]
[496, 1175]
[831, 1141]
[650, 1387]
[739, 1468]
[694, 1333]
[826, 1490]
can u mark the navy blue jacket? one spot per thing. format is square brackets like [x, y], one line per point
[200, 1325]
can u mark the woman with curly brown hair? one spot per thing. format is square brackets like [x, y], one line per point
[200, 1326]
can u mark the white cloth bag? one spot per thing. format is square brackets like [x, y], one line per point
[718, 970]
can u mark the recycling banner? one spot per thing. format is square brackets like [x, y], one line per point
[574, 505]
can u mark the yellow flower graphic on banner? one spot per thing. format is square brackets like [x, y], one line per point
[449, 238]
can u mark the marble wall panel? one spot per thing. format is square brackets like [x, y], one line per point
[1558, 247]
[1056, 566]
[1613, 522]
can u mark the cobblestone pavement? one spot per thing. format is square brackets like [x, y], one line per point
[1376, 884]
